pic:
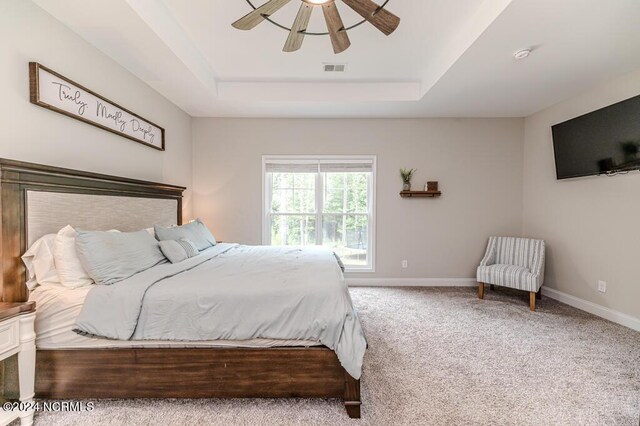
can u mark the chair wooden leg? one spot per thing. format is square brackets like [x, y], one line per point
[480, 290]
[492, 287]
[532, 300]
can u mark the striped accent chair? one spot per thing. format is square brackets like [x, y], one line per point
[515, 263]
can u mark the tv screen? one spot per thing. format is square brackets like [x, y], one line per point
[605, 141]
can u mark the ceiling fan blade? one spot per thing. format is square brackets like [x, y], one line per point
[383, 20]
[296, 36]
[339, 37]
[252, 19]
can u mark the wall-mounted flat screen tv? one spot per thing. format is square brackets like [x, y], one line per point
[606, 141]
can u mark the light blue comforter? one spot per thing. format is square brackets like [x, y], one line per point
[233, 292]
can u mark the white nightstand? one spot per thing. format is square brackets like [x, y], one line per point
[17, 336]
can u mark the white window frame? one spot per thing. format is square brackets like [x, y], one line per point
[266, 200]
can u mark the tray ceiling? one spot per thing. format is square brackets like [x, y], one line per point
[447, 58]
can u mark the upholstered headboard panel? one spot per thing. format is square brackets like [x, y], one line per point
[48, 212]
[36, 200]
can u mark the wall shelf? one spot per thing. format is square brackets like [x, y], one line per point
[423, 194]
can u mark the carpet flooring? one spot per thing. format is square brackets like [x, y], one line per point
[440, 356]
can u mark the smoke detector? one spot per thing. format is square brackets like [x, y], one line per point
[522, 53]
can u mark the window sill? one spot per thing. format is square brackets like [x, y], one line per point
[359, 270]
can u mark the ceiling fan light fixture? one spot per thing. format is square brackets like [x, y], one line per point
[372, 12]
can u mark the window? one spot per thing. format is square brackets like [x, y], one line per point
[326, 201]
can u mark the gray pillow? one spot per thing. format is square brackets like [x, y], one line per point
[178, 250]
[109, 257]
[195, 231]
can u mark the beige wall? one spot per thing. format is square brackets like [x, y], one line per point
[591, 225]
[477, 161]
[32, 133]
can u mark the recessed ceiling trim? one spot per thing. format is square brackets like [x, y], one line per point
[319, 92]
[469, 34]
[160, 20]
[467, 72]
[164, 63]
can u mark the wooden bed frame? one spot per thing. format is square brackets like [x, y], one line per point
[313, 372]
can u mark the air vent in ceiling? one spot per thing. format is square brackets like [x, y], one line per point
[334, 67]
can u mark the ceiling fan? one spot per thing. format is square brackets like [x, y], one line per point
[375, 14]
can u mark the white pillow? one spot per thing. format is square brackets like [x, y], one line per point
[40, 262]
[70, 270]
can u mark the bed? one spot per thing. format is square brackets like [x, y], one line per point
[36, 200]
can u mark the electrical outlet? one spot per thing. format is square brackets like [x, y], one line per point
[405, 264]
[602, 286]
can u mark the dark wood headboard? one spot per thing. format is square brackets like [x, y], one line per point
[16, 178]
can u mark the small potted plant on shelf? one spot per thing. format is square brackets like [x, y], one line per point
[406, 178]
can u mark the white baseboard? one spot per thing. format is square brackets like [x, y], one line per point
[411, 282]
[593, 308]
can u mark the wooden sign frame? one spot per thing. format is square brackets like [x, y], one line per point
[105, 109]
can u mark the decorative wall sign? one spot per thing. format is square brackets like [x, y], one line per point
[57, 93]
